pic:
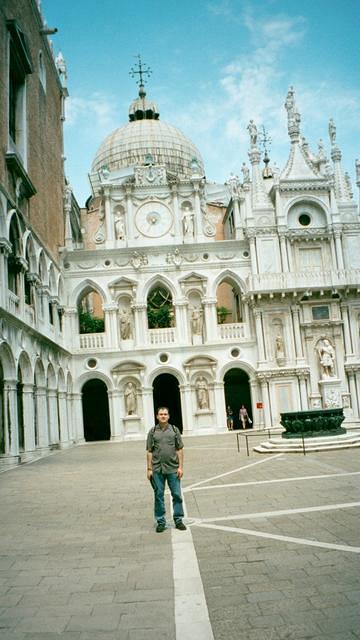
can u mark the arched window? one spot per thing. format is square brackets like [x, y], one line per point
[91, 314]
[160, 309]
[228, 305]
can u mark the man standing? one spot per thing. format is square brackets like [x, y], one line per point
[165, 457]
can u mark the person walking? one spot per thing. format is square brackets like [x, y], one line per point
[244, 417]
[165, 458]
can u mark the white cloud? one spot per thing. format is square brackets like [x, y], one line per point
[95, 112]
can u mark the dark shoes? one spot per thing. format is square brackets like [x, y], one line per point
[180, 525]
[160, 527]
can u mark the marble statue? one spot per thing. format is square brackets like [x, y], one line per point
[119, 227]
[188, 222]
[196, 321]
[332, 131]
[130, 398]
[202, 393]
[246, 172]
[279, 346]
[252, 129]
[326, 354]
[125, 324]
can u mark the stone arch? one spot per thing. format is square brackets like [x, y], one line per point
[61, 289]
[158, 280]
[237, 390]
[30, 251]
[61, 380]
[39, 373]
[166, 392]
[26, 368]
[51, 377]
[79, 382]
[90, 303]
[228, 292]
[52, 280]
[317, 209]
[84, 287]
[42, 269]
[95, 408]
[3, 231]
[160, 305]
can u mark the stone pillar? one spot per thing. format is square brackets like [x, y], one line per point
[53, 416]
[41, 415]
[29, 417]
[115, 411]
[259, 335]
[210, 319]
[303, 391]
[175, 207]
[198, 230]
[69, 418]
[130, 226]
[258, 414]
[346, 325]
[333, 253]
[266, 402]
[353, 394]
[71, 326]
[182, 324]
[220, 407]
[111, 328]
[109, 223]
[5, 251]
[78, 420]
[141, 324]
[148, 409]
[297, 335]
[63, 419]
[253, 256]
[283, 253]
[11, 418]
[21, 292]
[187, 409]
[339, 250]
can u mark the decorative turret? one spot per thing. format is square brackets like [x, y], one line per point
[342, 191]
[260, 196]
[142, 109]
[293, 116]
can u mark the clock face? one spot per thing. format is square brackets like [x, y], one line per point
[153, 219]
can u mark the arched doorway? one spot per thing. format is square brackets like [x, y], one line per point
[237, 392]
[95, 406]
[166, 393]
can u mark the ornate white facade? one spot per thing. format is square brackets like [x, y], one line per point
[205, 295]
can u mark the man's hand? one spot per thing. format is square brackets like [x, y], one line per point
[179, 473]
[149, 474]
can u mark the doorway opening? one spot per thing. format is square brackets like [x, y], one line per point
[166, 393]
[95, 406]
[237, 393]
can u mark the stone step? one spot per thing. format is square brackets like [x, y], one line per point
[295, 445]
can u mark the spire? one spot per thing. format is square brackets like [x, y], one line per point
[142, 109]
[342, 185]
[259, 193]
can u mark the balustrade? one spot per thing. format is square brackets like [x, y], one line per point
[232, 331]
[164, 336]
[92, 340]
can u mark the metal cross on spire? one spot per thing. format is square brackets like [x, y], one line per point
[141, 71]
[265, 140]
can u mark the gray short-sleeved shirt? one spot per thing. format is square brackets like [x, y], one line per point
[164, 444]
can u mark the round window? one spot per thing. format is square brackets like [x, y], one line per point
[163, 357]
[304, 219]
[92, 363]
[235, 352]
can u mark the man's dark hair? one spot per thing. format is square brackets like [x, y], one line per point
[162, 408]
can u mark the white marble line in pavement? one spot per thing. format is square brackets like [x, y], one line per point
[227, 473]
[272, 536]
[281, 512]
[191, 612]
[275, 480]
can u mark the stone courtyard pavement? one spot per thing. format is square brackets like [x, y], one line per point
[272, 551]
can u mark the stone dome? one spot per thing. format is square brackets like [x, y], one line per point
[144, 137]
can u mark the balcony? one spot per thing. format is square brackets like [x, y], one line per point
[13, 303]
[232, 331]
[303, 280]
[92, 341]
[162, 337]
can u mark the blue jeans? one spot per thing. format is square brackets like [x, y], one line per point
[158, 484]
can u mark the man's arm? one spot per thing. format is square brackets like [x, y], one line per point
[180, 455]
[149, 470]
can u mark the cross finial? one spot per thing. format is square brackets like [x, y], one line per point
[265, 140]
[142, 70]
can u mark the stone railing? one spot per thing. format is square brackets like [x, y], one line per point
[162, 336]
[92, 341]
[303, 279]
[232, 331]
[13, 302]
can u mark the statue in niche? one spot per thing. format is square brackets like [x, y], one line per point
[202, 393]
[326, 353]
[196, 321]
[125, 324]
[130, 398]
[252, 129]
[119, 227]
[188, 222]
[279, 346]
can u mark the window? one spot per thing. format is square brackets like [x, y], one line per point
[320, 313]
[42, 70]
[19, 66]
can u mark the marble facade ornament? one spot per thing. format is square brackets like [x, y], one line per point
[125, 320]
[202, 393]
[326, 354]
[138, 260]
[150, 175]
[130, 397]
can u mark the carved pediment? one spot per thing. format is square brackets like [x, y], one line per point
[128, 368]
[123, 284]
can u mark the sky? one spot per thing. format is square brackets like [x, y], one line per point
[215, 65]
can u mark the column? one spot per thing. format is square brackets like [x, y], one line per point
[109, 223]
[210, 319]
[78, 421]
[187, 409]
[141, 324]
[130, 228]
[266, 402]
[259, 335]
[346, 325]
[258, 414]
[11, 418]
[297, 335]
[63, 418]
[41, 414]
[339, 251]
[253, 255]
[283, 252]
[354, 397]
[182, 324]
[334, 265]
[29, 417]
[303, 391]
[111, 329]
[5, 251]
[220, 407]
[116, 426]
[53, 416]
[175, 206]
[198, 231]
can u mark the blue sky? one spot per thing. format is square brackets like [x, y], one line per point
[215, 64]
